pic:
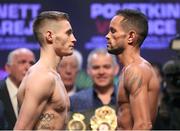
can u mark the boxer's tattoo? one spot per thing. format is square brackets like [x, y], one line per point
[47, 117]
[138, 89]
[45, 121]
[133, 80]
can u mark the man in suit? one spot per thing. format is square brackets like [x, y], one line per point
[3, 122]
[18, 62]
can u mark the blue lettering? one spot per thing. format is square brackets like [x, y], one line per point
[28, 30]
[24, 9]
[156, 10]
[162, 27]
[109, 10]
[8, 27]
[35, 9]
[95, 10]
[3, 10]
[153, 10]
[13, 11]
[18, 27]
[172, 11]
[106, 10]
[19, 11]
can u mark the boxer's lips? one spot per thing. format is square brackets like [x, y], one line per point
[102, 78]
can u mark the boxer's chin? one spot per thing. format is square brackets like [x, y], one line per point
[116, 51]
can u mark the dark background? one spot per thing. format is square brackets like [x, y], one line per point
[88, 31]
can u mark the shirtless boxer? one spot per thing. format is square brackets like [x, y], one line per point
[139, 86]
[42, 97]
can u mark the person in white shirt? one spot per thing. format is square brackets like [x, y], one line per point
[68, 68]
[18, 62]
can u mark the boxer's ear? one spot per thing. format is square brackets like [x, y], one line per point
[132, 37]
[49, 37]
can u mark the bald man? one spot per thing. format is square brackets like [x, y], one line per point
[18, 63]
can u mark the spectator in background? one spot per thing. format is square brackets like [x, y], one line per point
[171, 100]
[68, 69]
[102, 68]
[162, 120]
[18, 62]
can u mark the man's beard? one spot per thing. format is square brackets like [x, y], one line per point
[116, 51]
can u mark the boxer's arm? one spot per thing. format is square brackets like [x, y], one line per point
[139, 101]
[38, 90]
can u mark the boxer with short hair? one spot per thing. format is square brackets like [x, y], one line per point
[139, 85]
[42, 97]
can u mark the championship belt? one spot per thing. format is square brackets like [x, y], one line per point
[77, 122]
[105, 119]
